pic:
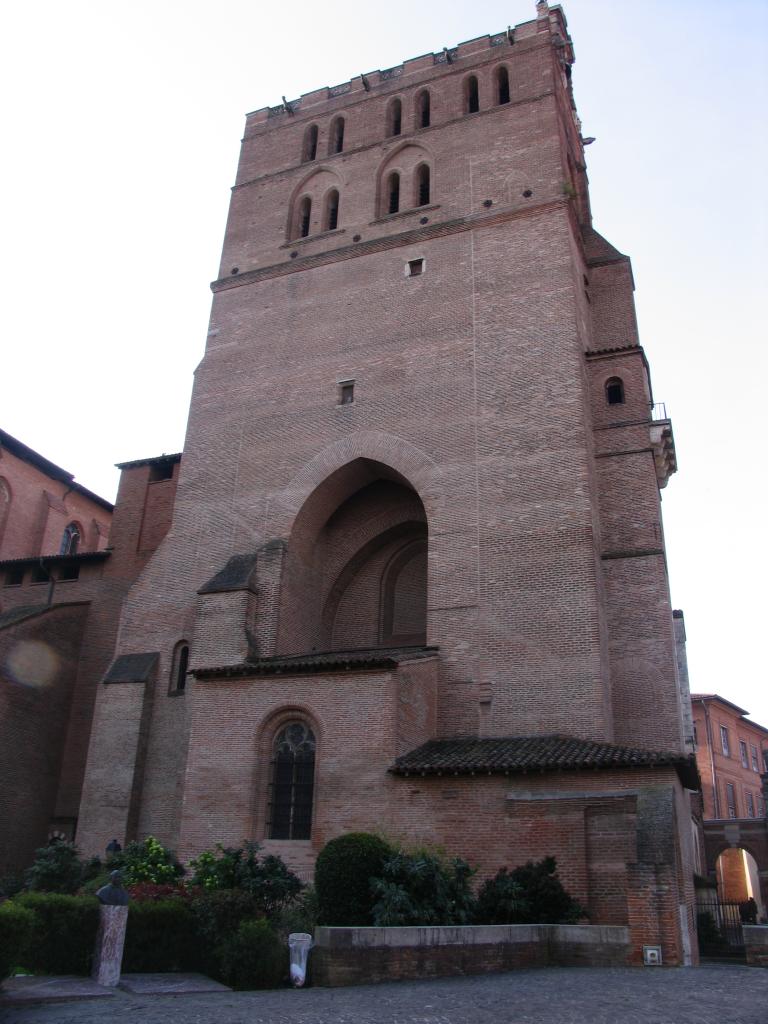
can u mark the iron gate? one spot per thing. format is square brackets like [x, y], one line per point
[719, 929]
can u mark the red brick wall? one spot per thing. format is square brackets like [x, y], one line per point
[32, 521]
[709, 716]
[38, 670]
[475, 414]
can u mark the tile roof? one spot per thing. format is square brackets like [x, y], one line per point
[132, 668]
[153, 461]
[13, 615]
[516, 754]
[325, 661]
[81, 556]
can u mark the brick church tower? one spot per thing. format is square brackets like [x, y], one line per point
[415, 579]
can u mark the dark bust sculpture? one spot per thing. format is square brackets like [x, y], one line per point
[114, 894]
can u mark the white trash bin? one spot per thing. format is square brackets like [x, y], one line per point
[299, 945]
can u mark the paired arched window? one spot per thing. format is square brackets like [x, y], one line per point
[336, 141]
[70, 540]
[309, 149]
[177, 682]
[305, 217]
[293, 781]
[502, 85]
[614, 391]
[471, 95]
[394, 117]
[423, 109]
[422, 185]
[393, 193]
[331, 212]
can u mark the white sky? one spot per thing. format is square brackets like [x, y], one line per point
[122, 125]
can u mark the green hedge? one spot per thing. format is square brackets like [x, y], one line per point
[63, 932]
[16, 926]
[254, 957]
[160, 936]
[343, 876]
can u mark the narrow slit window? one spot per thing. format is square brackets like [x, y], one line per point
[472, 95]
[332, 210]
[423, 111]
[614, 391]
[305, 214]
[395, 118]
[310, 144]
[293, 780]
[346, 392]
[393, 193]
[337, 136]
[422, 185]
[502, 85]
[179, 668]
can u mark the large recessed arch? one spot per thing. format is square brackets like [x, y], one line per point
[343, 540]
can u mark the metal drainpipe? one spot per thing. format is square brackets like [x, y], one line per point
[715, 794]
[51, 583]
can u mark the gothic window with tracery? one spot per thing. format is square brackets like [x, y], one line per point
[70, 540]
[293, 781]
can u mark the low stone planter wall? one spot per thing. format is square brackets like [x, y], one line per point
[756, 944]
[356, 956]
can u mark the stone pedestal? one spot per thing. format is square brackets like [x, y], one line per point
[108, 955]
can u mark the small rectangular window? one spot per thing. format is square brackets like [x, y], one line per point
[14, 577]
[40, 574]
[346, 392]
[730, 796]
[724, 744]
[695, 735]
[69, 571]
[753, 752]
[414, 268]
[743, 754]
[750, 805]
[765, 760]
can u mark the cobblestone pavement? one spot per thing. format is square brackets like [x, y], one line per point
[704, 995]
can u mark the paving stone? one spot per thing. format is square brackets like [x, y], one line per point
[704, 995]
[170, 984]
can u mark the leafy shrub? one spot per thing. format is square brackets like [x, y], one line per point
[268, 880]
[217, 917]
[254, 957]
[343, 874]
[10, 885]
[421, 888]
[16, 927]
[63, 934]
[142, 892]
[531, 894]
[59, 868]
[298, 916]
[160, 936]
[146, 861]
